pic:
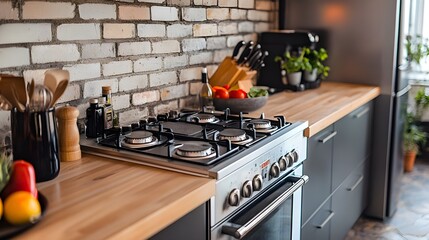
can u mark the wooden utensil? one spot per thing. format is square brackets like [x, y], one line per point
[54, 77]
[9, 86]
[60, 89]
[5, 104]
[68, 133]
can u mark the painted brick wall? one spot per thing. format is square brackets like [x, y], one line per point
[149, 51]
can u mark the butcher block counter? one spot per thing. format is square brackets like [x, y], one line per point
[97, 198]
[321, 106]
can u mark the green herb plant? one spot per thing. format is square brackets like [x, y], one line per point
[291, 63]
[417, 48]
[316, 59]
[421, 101]
[413, 136]
[257, 92]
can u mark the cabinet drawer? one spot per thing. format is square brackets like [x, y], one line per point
[352, 143]
[349, 201]
[318, 226]
[318, 167]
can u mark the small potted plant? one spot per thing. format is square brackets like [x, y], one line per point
[421, 101]
[417, 48]
[413, 137]
[316, 59]
[293, 64]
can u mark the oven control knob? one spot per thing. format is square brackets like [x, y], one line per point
[275, 170]
[234, 197]
[289, 159]
[247, 190]
[282, 163]
[257, 182]
[295, 155]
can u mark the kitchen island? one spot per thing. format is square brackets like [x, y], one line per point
[97, 198]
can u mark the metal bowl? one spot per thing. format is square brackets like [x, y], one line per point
[237, 105]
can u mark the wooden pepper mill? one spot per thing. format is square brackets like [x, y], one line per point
[68, 133]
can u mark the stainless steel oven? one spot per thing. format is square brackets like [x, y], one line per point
[275, 214]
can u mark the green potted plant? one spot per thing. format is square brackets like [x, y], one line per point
[293, 64]
[421, 101]
[413, 137]
[417, 48]
[316, 59]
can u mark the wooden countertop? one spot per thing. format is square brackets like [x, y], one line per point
[321, 106]
[96, 198]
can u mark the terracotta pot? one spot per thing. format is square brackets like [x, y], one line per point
[409, 159]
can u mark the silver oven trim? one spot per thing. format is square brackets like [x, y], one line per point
[227, 230]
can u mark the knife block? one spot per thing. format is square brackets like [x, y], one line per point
[229, 73]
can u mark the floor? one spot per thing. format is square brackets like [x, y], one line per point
[411, 221]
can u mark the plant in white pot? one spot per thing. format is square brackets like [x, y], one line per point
[316, 59]
[293, 65]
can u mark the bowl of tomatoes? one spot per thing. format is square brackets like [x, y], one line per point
[238, 100]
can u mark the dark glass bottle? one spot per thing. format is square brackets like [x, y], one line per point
[94, 119]
[206, 94]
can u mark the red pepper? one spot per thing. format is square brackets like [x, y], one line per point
[23, 178]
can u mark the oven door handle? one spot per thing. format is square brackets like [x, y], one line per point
[239, 231]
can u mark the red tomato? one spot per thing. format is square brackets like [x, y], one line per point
[215, 88]
[226, 86]
[23, 178]
[221, 93]
[237, 94]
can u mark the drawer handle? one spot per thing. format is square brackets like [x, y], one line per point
[327, 138]
[326, 220]
[360, 114]
[350, 189]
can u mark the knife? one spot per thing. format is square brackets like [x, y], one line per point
[258, 61]
[256, 49]
[246, 52]
[254, 58]
[237, 48]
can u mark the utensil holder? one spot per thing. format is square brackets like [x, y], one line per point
[34, 139]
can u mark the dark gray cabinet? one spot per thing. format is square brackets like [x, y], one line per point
[335, 196]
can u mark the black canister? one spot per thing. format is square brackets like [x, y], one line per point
[34, 139]
[94, 119]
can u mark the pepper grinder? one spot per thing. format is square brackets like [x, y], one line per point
[68, 133]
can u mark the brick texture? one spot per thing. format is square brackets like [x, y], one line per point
[149, 51]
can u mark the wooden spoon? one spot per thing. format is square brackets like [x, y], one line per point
[54, 77]
[59, 91]
[8, 83]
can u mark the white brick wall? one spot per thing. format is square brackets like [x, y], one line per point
[48, 10]
[81, 31]
[167, 46]
[97, 11]
[14, 57]
[151, 30]
[54, 53]
[145, 97]
[179, 30]
[148, 64]
[117, 67]
[133, 82]
[194, 44]
[98, 50]
[25, 32]
[132, 115]
[134, 48]
[164, 13]
[158, 79]
[194, 14]
[83, 71]
[141, 46]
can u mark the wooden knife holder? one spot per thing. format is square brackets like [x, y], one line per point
[232, 74]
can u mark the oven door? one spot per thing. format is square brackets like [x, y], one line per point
[274, 215]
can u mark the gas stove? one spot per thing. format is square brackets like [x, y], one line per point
[233, 149]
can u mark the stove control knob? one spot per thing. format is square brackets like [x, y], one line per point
[289, 159]
[275, 170]
[247, 190]
[282, 163]
[295, 155]
[257, 182]
[234, 197]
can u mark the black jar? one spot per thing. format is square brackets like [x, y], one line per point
[35, 140]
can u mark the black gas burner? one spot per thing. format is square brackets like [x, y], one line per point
[139, 137]
[204, 118]
[236, 136]
[262, 125]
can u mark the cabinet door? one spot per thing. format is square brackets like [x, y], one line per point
[318, 226]
[349, 201]
[192, 226]
[352, 143]
[317, 166]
